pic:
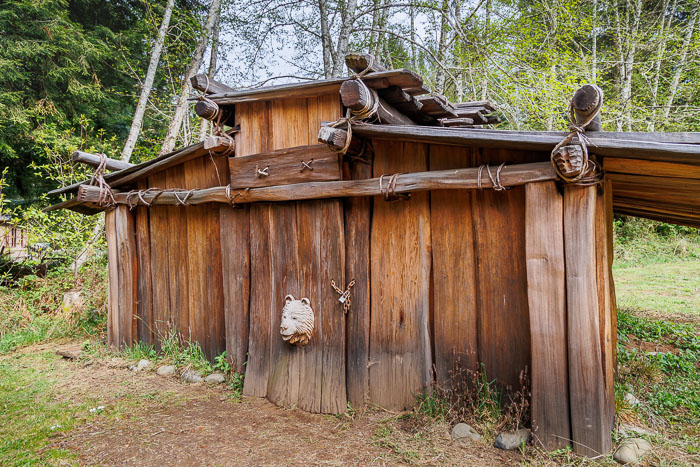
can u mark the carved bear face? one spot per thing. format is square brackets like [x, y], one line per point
[297, 324]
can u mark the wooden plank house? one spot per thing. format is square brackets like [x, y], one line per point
[420, 241]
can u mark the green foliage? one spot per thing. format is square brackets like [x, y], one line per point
[33, 312]
[667, 381]
[221, 363]
[642, 241]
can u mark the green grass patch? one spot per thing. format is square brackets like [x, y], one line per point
[30, 416]
[641, 242]
[666, 381]
[665, 287]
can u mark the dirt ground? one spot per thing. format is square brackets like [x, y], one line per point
[152, 420]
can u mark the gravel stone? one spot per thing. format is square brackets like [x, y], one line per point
[191, 376]
[632, 450]
[509, 440]
[464, 431]
[167, 370]
[215, 378]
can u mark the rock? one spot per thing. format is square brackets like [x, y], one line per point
[72, 301]
[71, 353]
[143, 365]
[167, 370]
[509, 440]
[215, 378]
[191, 376]
[631, 400]
[464, 431]
[632, 450]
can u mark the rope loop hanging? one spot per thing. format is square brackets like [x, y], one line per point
[495, 180]
[589, 173]
[106, 198]
[389, 191]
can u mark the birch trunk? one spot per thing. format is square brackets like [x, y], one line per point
[347, 15]
[664, 25]
[628, 65]
[440, 73]
[204, 125]
[181, 108]
[137, 122]
[326, 43]
[680, 64]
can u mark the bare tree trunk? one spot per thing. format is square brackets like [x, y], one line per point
[181, 108]
[412, 13]
[626, 95]
[594, 45]
[204, 123]
[663, 40]
[347, 15]
[137, 122]
[680, 64]
[487, 33]
[326, 42]
[440, 73]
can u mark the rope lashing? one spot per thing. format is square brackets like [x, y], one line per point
[344, 295]
[390, 190]
[577, 130]
[182, 201]
[262, 172]
[217, 127]
[495, 180]
[139, 195]
[306, 165]
[106, 197]
[231, 199]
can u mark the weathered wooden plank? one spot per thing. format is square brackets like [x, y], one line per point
[651, 168]
[94, 160]
[257, 368]
[113, 281]
[400, 354]
[357, 246]
[178, 315]
[127, 270]
[589, 423]
[285, 166]
[160, 266]
[332, 259]
[546, 283]
[454, 269]
[145, 289]
[456, 179]
[604, 284]
[503, 322]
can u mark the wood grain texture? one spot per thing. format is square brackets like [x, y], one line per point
[260, 331]
[113, 281]
[127, 272]
[178, 317]
[546, 284]
[589, 423]
[284, 167]
[651, 168]
[604, 287]
[145, 290]
[503, 323]
[160, 266]
[357, 246]
[454, 281]
[400, 354]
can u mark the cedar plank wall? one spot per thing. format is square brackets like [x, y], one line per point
[295, 248]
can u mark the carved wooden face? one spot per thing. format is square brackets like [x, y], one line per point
[297, 323]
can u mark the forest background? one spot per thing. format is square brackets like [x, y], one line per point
[72, 71]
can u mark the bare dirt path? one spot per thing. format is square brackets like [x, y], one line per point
[152, 420]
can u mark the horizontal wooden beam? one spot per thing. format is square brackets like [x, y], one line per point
[600, 143]
[457, 179]
[94, 160]
[202, 82]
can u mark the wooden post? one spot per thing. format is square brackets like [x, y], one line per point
[122, 270]
[335, 138]
[546, 291]
[357, 97]
[589, 418]
[94, 160]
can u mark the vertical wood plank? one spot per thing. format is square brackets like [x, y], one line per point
[357, 246]
[400, 354]
[145, 290]
[257, 368]
[160, 268]
[126, 274]
[178, 262]
[589, 426]
[454, 290]
[544, 249]
[502, 320]
[113, 284]
[605, 301]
